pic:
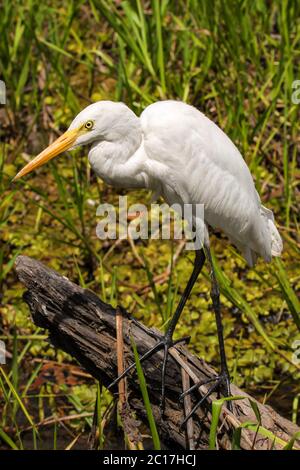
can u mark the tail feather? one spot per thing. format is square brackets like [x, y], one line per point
[270, 241]
[276, 241]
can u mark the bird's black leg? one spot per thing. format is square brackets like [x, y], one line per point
[215, 296]
[166, 342]
[221, 381]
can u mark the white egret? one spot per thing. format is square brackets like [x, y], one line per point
[177, 152]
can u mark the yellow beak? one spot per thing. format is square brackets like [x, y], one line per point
[64, 142]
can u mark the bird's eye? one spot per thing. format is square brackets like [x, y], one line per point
[89, 124]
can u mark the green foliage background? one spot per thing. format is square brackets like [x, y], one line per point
[235, 60]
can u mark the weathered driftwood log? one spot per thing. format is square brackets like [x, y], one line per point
[85, 327]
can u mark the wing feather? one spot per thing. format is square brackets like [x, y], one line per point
[195, 162]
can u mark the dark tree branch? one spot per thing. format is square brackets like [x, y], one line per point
[81, 324]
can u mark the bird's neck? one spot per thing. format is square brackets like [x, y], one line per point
[120, 163]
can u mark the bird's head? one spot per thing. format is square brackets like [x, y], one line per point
[101, 121]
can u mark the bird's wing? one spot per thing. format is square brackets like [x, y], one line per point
[195, 162]
[198, 158]
[177, 134]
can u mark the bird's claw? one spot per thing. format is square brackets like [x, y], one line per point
[221, 384]
[165, 343]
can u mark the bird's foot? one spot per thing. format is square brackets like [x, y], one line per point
[163, 343]
[220, 384]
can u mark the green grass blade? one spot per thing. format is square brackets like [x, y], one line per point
[5, 438]
[235, 297]
[264, 432]
[290, 444]
[143, 387]
[160, 49]
[216, 411]
[287, 291]
[295, 408]
[17, 397]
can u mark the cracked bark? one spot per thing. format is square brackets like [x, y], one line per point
[82, 325]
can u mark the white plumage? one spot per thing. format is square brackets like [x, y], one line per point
[176, 151]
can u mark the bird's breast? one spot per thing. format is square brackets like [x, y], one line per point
[119, 165]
